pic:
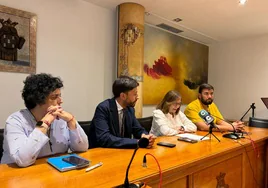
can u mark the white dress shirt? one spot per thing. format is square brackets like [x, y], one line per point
[166, 124]
[23, 143]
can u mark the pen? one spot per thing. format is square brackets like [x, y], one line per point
[94, 166]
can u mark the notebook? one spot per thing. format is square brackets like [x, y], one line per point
[265, 101]
[61, 165]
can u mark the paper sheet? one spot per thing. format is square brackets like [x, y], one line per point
[193, 136]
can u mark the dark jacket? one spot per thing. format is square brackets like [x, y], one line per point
[104, 128]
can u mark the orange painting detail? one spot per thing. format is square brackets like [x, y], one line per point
[160, 67]
[172, 63]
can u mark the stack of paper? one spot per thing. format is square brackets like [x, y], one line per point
[192, 136]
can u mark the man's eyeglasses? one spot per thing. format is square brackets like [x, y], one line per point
[55, 96]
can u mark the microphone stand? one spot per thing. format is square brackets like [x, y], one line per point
[142, 143]
[126, 184]
[211, 126]
[230, 135]
[252, 106]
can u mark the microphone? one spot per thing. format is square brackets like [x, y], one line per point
[142, 143]
[228, 135]
[208, 118]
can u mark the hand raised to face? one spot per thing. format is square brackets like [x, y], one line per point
[53, 108]
[49, 117]
[60, 113]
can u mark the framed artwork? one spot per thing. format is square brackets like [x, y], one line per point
[17, 40]
[172, 63]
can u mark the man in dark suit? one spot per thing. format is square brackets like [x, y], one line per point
[114, 121]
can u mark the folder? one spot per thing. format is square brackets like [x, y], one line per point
[61, 165]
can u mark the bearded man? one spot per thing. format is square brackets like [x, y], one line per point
[205, 101]
[114, 121]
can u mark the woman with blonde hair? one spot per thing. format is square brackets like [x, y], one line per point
[168, 119]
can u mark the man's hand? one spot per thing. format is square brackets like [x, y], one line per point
[49, 117]
[238, 125]
[151, 139]
[66, 116]
[58, 112]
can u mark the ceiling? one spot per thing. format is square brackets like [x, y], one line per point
[205, 21]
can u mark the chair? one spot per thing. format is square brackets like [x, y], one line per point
[85, 126]
[1, 142]
[257, 122]
[146, 122]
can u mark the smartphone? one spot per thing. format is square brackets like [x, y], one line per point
[166, 144]
[187, 140]
[77, 161]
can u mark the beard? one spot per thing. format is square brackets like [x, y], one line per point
[132, 104]
[206, 102]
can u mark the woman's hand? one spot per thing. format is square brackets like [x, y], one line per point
[181, 130]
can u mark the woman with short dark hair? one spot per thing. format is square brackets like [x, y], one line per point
[44, 128]
[168, 119]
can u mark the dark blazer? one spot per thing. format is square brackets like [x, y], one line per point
[104, 128]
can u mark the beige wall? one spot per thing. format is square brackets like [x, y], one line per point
[76, 41]
[239, 72]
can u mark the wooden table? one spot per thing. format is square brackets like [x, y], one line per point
[205, 164]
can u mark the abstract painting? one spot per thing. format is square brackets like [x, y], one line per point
[172, 63]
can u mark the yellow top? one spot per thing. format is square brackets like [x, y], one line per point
[192, 110]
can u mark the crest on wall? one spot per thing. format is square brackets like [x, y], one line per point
[129, 34]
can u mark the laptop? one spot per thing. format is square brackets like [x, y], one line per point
[265, 101]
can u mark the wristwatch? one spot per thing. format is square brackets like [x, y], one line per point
[41, 124]
[182, 128]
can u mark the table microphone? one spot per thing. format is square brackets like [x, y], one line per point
[208, 118]
[142, 143]
[232, 135]
[210, 121]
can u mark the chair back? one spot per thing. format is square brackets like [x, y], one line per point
[85, 126]
[146, 122]
[257, 122]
